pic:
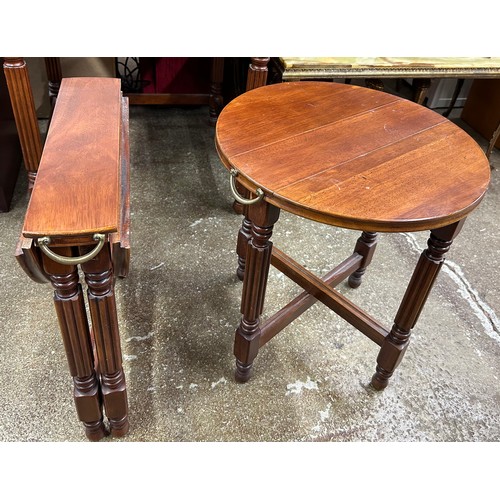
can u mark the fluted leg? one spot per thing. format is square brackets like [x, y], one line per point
[428, 266]
[365, 246]
[258, 260]
[23, 106]
[70, 309]
[243, 235]
[257, 72]
[100, 282]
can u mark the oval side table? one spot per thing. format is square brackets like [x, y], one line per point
[350, 157]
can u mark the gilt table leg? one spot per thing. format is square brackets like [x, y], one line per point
[23, 106]
[365, 246]
[70, 309]
[100, 281]
[430, 262]
[258, 260]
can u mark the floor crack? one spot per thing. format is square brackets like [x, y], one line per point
[481, 309]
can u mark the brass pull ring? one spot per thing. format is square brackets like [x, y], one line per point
[71, 261]
[237, 196]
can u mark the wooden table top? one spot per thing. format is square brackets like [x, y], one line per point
[352, 157]
[77, 188]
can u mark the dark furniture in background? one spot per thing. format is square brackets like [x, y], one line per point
[10, 148]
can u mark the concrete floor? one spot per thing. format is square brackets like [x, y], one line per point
[180, 305]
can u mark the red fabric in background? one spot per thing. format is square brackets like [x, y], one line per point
[175, 75]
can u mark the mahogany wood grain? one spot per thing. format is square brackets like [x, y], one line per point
[23, 106]
[70, 309]
[258, 260]
[331, 298]
[29, 257]
[352, 157]
[80, 164]
[257, 72]
[102, 304]
[84, 188]
[422, 280]
[305, 300]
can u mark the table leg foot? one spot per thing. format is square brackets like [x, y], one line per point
[119, 427]
[243, 372]
[95, 431]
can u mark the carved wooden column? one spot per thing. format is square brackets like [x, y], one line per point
[23, 106]
[70, 309]
[54, 75]
[100, 281]
[365, 246]
[244, 235]
[257, 72]
[396, 343]
[258, 259]
[216, 101]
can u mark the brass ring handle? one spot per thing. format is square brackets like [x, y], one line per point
[71, 261]
[237, 197]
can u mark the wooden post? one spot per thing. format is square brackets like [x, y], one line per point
[70, 309]
[258, 259]
[428, 266]
[23, 106]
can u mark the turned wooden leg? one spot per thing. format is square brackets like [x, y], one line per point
[54, 75]
[216, 102]
[365, 246]
[100, 282]
[23, 106]
[430, 262]
[258, 260]
[70, 309]
[257, 72]
[243, 235]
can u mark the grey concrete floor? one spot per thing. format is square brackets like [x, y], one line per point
[179, 307]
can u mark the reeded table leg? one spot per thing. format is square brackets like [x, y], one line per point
[23, 106]
[100, 282]
[257, 72]
[263, 216]
[244, 235]
[428, 266]
[70, 309]
[365, 246]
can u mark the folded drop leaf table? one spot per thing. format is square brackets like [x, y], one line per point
[78, 217]
[350, 157]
